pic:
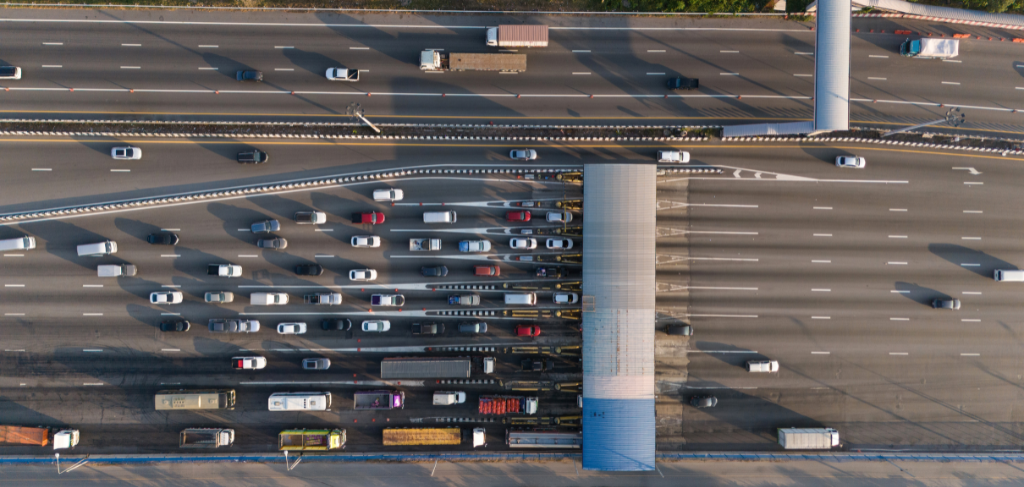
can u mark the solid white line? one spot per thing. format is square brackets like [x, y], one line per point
[322, 256]
[820, 290]
[877, 56]
[359, 48]
[655, 74]
[822, 234]
[822, 207]
[131, 45]
[804, 75]
[820, 353]
[712, 288]
[877, 79]
[651, 50]
[969, 265]
[284, 69]
[719, 233]
[14, 255]
[14, 314]
[970, 354]
[582, 50]
[175, 286]
[170, 255]
[208, 69]
[92, 314]
[804, 53]
[729, 74]
[92, 285]
[721, 316]
[93, 384]
[120, 170]
[248, 255]
[897, 236]
[971, 320]
[973, 182]
[170, 349]
[973, 211]
[209, 46]
[170, 314]
[323, 229]
[131, 67]
[895, 263]
[970, 238]
[12, 350]
[821, 317]
[729, 52]
[42, 169]
[53, 43]
[897, 209]
[92, 349]
[898, 353]
[899, 319]
[580, 74]
[900, 291]
[950, 83]
[170, 229]
[821, 261]
[14, 285]
[952, 61]
[726, 259]
[52, 66]
[972, 292]
[284, 47]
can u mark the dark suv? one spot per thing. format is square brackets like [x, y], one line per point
[254, 156]
[249, 75]
[309, 269]
[174, 326]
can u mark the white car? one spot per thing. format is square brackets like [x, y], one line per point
[523, 155]
[362, 275]
[126, 153]
[291, 328]
[390, 194]
[675, 156]
[559, 217]
[850, 161]
[165, 297]
[523, 243]
[248, 363]
[566, 298]
[376, 325]
[366, 241]
[559, 244]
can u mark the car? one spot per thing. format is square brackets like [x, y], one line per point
[673, 156]
[248, 363]
[376, 326]
[519, 243]
[527, 330]
[165, 297]
[224, 270]
[549, 272]
[434, 271]
[518, 216]
[162, 238]
[850, 161]
[486, 270]
[127, 153]
[428, 329]
[10, 72]
[253, 156]
[703, 401]
[362, 275]
[464, 299]
[265, 226]
[559, 217]
[219, 297]
[387, 300]
[952, 304]
[309, 269]
[679, 330]
[537, 364]
[566, 298]
[343, 324]
[342, 74]
[310, 217]
[523, 155]
[291, 328]
[366, 241]
[559, 243]
[682, 83]
[316, 363]
[390, 194]
[326, 299]
[475, 246]
[276, 243]
[476, 327]
[234, 326]
[249, 75]
[371, 217]
[180, 326]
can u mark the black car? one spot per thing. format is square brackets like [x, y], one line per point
[703, 401]
[254, 156]
[174, 326]
[309, 269]
[163, 238]
[537, 365]
[249, 75]
[428, 329]
[343, 324]
[679, 330]
[682, 83]
[434, 271]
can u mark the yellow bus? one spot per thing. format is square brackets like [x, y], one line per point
[199, 399]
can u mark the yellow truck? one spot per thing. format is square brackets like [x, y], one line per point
[422, 436]
[311, 440]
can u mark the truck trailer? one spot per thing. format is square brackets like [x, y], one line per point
[311, 440]
[379, 400]
[206, 438]
[518, 36]
[508, 405]
[431, 60]
[808, 438]
[426, 368]
[931, 48]
[22, 435]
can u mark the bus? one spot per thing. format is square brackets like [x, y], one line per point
[198, 399]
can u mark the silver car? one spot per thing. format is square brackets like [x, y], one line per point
[523, 155]
[234, 326]
[220, 297]
[952, 304]
[316, 363]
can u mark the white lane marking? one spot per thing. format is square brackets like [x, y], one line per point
[820, 290]
[284, 69]
[897, 209]
[208, 46]
[92, 314]
[877, 56]
[951, 83]
[170, 349]
[952, 61]
[14, 285]
[709, 232]
[208, 69]
[972, 292]
[973, 171]
[175, 286]
[93, 384]
[713, 288]
[821, 317]
[963, 264]
[53, 43]
[804, 75]
[581, 50]
[14, 314]
[248, 255]
[720, 316]
[877, 79]
[52, 66]
[359, 48]
[14, 255]
[895, 263]
[651, 50]
[970, 238]
[729, 52]
[170, 314]
[898, 353]
[284, 47]
[170, 229]
[655, 74]
[323, 229]
[709, 205]
[899, 319]
[973, 182]
[897, 236]
[900, 291]
[120, 170]
[822, 207]
[92, 349]
[971, 320]
[804, 53]
[92, 285]
[580, 73]
[821, 261]
[822, 234]
[973, 211]
[962, 354]
[131, 67]
[322, 256]
[170, 255]
[46, 169]
[13, 350]
[726, 259]
[131, 45]
[820, 353]
[729, 74]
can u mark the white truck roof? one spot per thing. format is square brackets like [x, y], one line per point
[940, 48]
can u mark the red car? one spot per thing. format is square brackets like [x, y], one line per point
[527, 330]
[371, 217]
[487, 270]
[518, 216]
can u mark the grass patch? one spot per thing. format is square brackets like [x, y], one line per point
[993, 6]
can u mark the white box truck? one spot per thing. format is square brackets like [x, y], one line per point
[518, 36]
[1008, 275]
[808, 438]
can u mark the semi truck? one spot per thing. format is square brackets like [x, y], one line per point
[429, 436]
[518, 36]
[206, 438]
[426, 368]
[808, 438]
[424, 244]
[311, 440]
[931, 48]
[431, 60]
[500, 405]
[379, 400]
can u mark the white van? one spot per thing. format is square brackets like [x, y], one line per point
[23, 243]
[448, 398]
[97, 249]
[438, 217]
[127, 270]
[762, 365]
[1009, 275]
[529, 299]
[267, 299]
[299, 401]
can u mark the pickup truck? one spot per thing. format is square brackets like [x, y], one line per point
[464, 299]
[224, 270]
[428, 329]
[342, 74]
[322, 298]
[424, 244]
[371, 217]
[387, 300]
[683, 83]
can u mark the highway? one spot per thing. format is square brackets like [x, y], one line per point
[601, 70]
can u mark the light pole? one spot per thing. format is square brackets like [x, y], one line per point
[953, 117]
[76, 465]
[356, 110]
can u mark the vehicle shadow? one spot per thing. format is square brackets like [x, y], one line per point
[975, 261]
[919, 294]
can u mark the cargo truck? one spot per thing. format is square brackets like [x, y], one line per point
[426, 368]
[508, 405]
[424, 244]
[21, 435]
[808, 438]
[518, 36]
[379, 400]
[311, 440]
[931, 48]
[431, 60]
[206, 438]
[422, 436]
